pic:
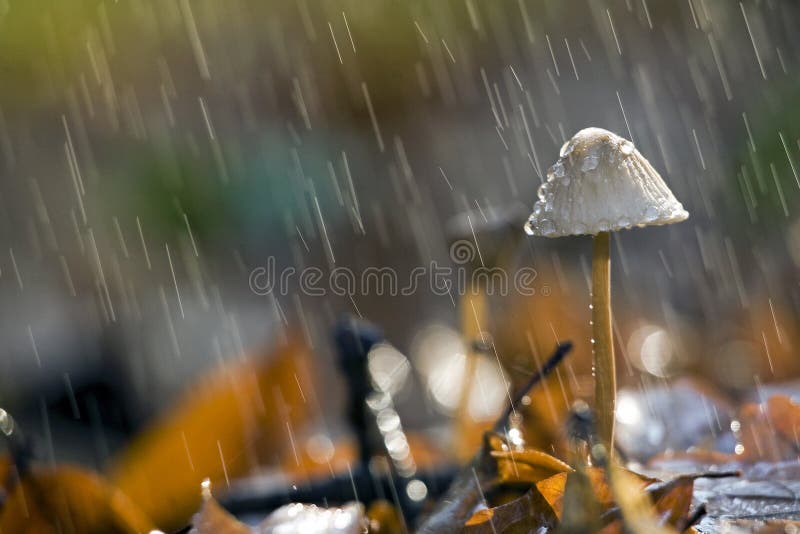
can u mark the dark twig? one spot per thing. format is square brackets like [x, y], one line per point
[561, 350]
[698, 514]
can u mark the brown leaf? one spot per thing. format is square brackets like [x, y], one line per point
[671, 499]
[769, 430]
[526, 466]
[529, 512]
[229, 416]
[456, 506]
[552, 488]
[69, 500]
[481, 475]
[637, 507]
[785, 416]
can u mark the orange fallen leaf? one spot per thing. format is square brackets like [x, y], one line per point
[553, 488]
[527, 466]
[518, 515]
[785, 416]
[671, 499]
[543, 506]
[216, 430]
[769, 431]
[639, 514]
[69, 500]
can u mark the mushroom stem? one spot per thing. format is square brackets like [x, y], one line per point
[605, 378]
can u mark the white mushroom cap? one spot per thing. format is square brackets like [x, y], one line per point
[601, 183]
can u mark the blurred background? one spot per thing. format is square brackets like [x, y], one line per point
[153, 154]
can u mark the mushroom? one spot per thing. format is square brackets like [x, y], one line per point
[601, 184]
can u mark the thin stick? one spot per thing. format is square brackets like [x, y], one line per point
[605, 381]
[561, 350]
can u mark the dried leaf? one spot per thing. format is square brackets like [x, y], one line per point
[527, 466]
[68, 499]
[553, 488]
[530, 511]
[785, 416]
[216, 430]
[673, 499]
[638, 511]
[456, 506]
[481, 475]
[769, 430]
[522, 515]
[670, 500]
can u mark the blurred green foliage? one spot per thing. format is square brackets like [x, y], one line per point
[767, 182]
[252, 195]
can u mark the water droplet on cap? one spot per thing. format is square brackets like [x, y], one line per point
[590, 162]
[626, 147]
[556, 171]
[542, 192]
[528, 228]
